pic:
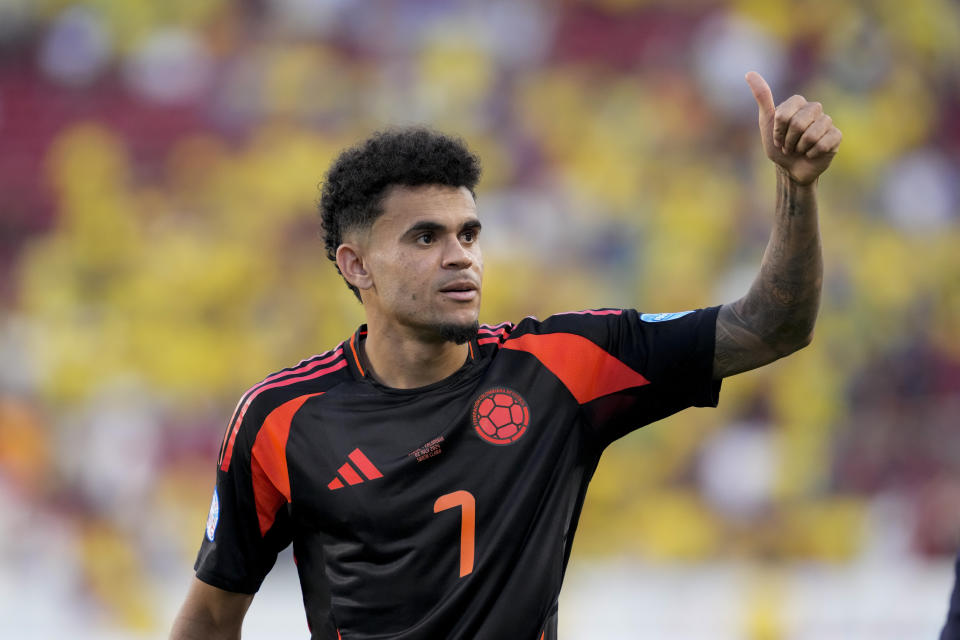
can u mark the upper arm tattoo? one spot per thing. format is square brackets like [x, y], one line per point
[738, 348]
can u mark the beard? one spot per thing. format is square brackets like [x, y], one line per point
[458, 333]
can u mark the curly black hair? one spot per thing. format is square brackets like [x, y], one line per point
[360, 177]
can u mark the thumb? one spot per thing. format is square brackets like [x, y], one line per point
[762, 94]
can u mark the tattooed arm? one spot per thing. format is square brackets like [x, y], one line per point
[777, 315]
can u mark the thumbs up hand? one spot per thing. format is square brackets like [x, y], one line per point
[797, 135]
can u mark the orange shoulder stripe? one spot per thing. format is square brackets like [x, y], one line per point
[585, 369]
[268, 465]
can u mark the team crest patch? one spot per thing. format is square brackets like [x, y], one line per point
[663, 317]
[213, 516]
[501, 416]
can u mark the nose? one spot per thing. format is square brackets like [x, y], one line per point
[456, 255]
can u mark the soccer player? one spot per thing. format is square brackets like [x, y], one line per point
[429, 472]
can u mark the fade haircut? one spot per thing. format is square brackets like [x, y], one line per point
[360, 178]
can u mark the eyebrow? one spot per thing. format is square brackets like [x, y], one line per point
[472, 224]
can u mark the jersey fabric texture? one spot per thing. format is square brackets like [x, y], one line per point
[951, 630]
[446, 511]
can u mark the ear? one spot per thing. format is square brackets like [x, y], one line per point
[350, 263]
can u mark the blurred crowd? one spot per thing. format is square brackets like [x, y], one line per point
[159, 252]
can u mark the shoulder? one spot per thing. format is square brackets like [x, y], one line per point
[589, 323]
[593, 325]
[580, 348]
[283, 390]
[493, 335]
[612, 329]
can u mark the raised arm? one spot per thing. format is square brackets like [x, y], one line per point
[210, 613]
[777, 315]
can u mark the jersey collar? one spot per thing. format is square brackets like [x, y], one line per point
[351, 349]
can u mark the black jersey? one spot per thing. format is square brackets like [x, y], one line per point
[446, 511]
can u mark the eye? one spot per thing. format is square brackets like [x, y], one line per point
[425, 238]
[469, 236]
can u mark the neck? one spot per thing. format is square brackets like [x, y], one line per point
[404, 361]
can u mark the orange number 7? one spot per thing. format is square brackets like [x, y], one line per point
[468, 519]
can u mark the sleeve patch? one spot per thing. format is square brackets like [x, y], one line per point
[663, 317]
[213, 517]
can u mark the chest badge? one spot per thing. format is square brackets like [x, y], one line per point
[500, 416]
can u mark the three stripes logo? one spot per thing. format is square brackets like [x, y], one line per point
[348, 473]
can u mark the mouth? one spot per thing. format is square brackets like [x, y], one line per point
[462, 290]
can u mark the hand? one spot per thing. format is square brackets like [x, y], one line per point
[798, 136]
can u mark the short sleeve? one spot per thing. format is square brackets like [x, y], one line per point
[239, 548]
[674, 351]
[626, 368]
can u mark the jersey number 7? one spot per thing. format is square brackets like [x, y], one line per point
[468, 519]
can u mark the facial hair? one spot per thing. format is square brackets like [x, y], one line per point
[458, 333]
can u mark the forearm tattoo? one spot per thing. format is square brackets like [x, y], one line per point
[777, 315]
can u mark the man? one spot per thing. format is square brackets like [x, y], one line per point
[430, 474]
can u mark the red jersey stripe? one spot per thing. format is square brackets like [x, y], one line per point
[324, 358]
[492, 332]
[303, 366]
[349, 474]
[228, 452]
[592, 312]
[363, 463]
[268, 461]
[491, 336]
[585, 369]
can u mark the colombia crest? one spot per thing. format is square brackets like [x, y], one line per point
[500, 416]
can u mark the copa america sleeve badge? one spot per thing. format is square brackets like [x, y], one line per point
[213, 516]
[663, 317]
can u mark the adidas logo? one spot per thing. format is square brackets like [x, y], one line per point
[348, 473]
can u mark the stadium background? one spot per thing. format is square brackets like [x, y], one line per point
[159, 164]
